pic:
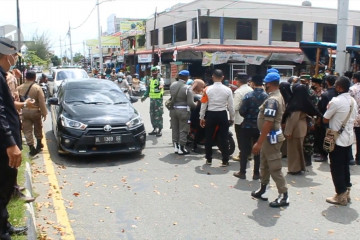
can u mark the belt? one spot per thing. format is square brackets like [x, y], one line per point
[180, 107]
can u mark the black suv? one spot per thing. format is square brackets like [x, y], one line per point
[93, 116]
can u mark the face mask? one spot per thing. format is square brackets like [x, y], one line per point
[12, 66]
[327, 74]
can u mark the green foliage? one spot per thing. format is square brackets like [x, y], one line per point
[55, 60]
[33, 59]
[78, 58]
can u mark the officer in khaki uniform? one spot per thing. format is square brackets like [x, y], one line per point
[31, 116]
[270, 141]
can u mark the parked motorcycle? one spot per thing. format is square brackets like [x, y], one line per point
[45, 89]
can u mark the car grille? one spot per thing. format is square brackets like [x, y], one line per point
[99, 130]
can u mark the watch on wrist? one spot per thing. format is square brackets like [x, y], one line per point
[24, 106]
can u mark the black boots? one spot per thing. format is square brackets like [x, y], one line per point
[153, 132]
[158, 133]
[182, 150]
[33, 151]
[39, 145]
[281, 201]
[307, 160]
[260, 193]
[176, 147]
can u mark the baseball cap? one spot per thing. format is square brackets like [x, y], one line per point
[272, 77]
[7, 46]
[270, 70]
[154, 69]
[185, 73]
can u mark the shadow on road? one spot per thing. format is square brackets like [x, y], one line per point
[264, 215]
[340, 214]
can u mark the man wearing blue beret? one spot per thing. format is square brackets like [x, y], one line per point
[269, 143]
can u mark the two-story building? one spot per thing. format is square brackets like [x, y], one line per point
[240, 36]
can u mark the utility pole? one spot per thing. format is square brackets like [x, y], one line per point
[340, 62]
[61, 53]
[153, 39]
[71, 55]
[198, 25]
[99, 39]
[19, 37]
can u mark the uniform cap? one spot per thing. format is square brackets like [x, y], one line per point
[270, 70]
[7, 47]
[305, 77]
[154, 69]
[316, 80]
[185, 73]
[272, 77]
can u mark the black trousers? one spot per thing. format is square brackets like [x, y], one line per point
[238, 134]
[248, 137]
[322, 129]
[357, 135]
[7, 182]
[339, 166]
[217, 119]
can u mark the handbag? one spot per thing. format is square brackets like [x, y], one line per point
[331, 135]
[169, 104]
[23, 98]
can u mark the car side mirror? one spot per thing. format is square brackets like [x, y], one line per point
[133, 99]
[53, 101]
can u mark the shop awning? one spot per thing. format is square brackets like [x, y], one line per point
[310, 49]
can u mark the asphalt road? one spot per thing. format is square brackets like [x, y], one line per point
[160, 195]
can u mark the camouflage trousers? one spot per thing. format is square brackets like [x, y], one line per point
[309, 141]
[156, 112]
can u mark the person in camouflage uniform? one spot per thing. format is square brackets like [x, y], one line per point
[309, 139]
[155, 90]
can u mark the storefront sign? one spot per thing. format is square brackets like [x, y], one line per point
[224, 57]
[144, 58]
[120, 58]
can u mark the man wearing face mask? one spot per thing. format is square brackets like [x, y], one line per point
[10, 144]
[269, 143]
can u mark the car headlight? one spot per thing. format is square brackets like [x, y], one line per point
[66, 122]
[134, 122]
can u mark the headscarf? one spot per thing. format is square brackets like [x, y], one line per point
[198, 86]
[286, 92]
[300, 101]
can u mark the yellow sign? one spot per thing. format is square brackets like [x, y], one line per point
[106, 42]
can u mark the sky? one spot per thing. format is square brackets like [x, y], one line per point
[53, 17]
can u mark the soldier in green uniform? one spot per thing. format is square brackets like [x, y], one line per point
[270, 141]
[155, 90]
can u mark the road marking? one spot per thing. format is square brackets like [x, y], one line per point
[57, 198]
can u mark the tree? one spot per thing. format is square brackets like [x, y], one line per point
[55, 60]
[78, 58]
[40, 46]
[33, 59]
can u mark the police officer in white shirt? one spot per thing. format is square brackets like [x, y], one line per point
[216, 100]
[336, 114]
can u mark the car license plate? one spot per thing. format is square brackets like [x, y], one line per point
[107, 139]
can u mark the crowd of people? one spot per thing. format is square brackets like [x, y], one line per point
[272, 120]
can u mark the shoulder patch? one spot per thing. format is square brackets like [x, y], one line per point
[271, 108]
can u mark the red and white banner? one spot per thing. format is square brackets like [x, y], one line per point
[175, 54]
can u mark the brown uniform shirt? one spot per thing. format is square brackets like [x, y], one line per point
[272, 110]
[35, 93]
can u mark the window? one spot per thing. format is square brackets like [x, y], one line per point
[180, 32]
[154, 37]
[329, 33]
[204, 29]
[244, 30]
[237, 68]
[168, 34]
[194, 28]
[288, 32]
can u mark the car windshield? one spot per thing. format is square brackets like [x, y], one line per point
[95, 96]
[70, 74]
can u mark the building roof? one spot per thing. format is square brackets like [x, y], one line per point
[227, 48]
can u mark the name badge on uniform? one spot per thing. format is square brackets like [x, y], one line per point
[271, 107]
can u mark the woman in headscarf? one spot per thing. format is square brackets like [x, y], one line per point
[299, 105]
[198, 132]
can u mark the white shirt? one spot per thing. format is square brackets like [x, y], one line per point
[337, 111]
[238, 97]
[220, 98]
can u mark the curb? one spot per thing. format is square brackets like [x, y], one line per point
[30, 211]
